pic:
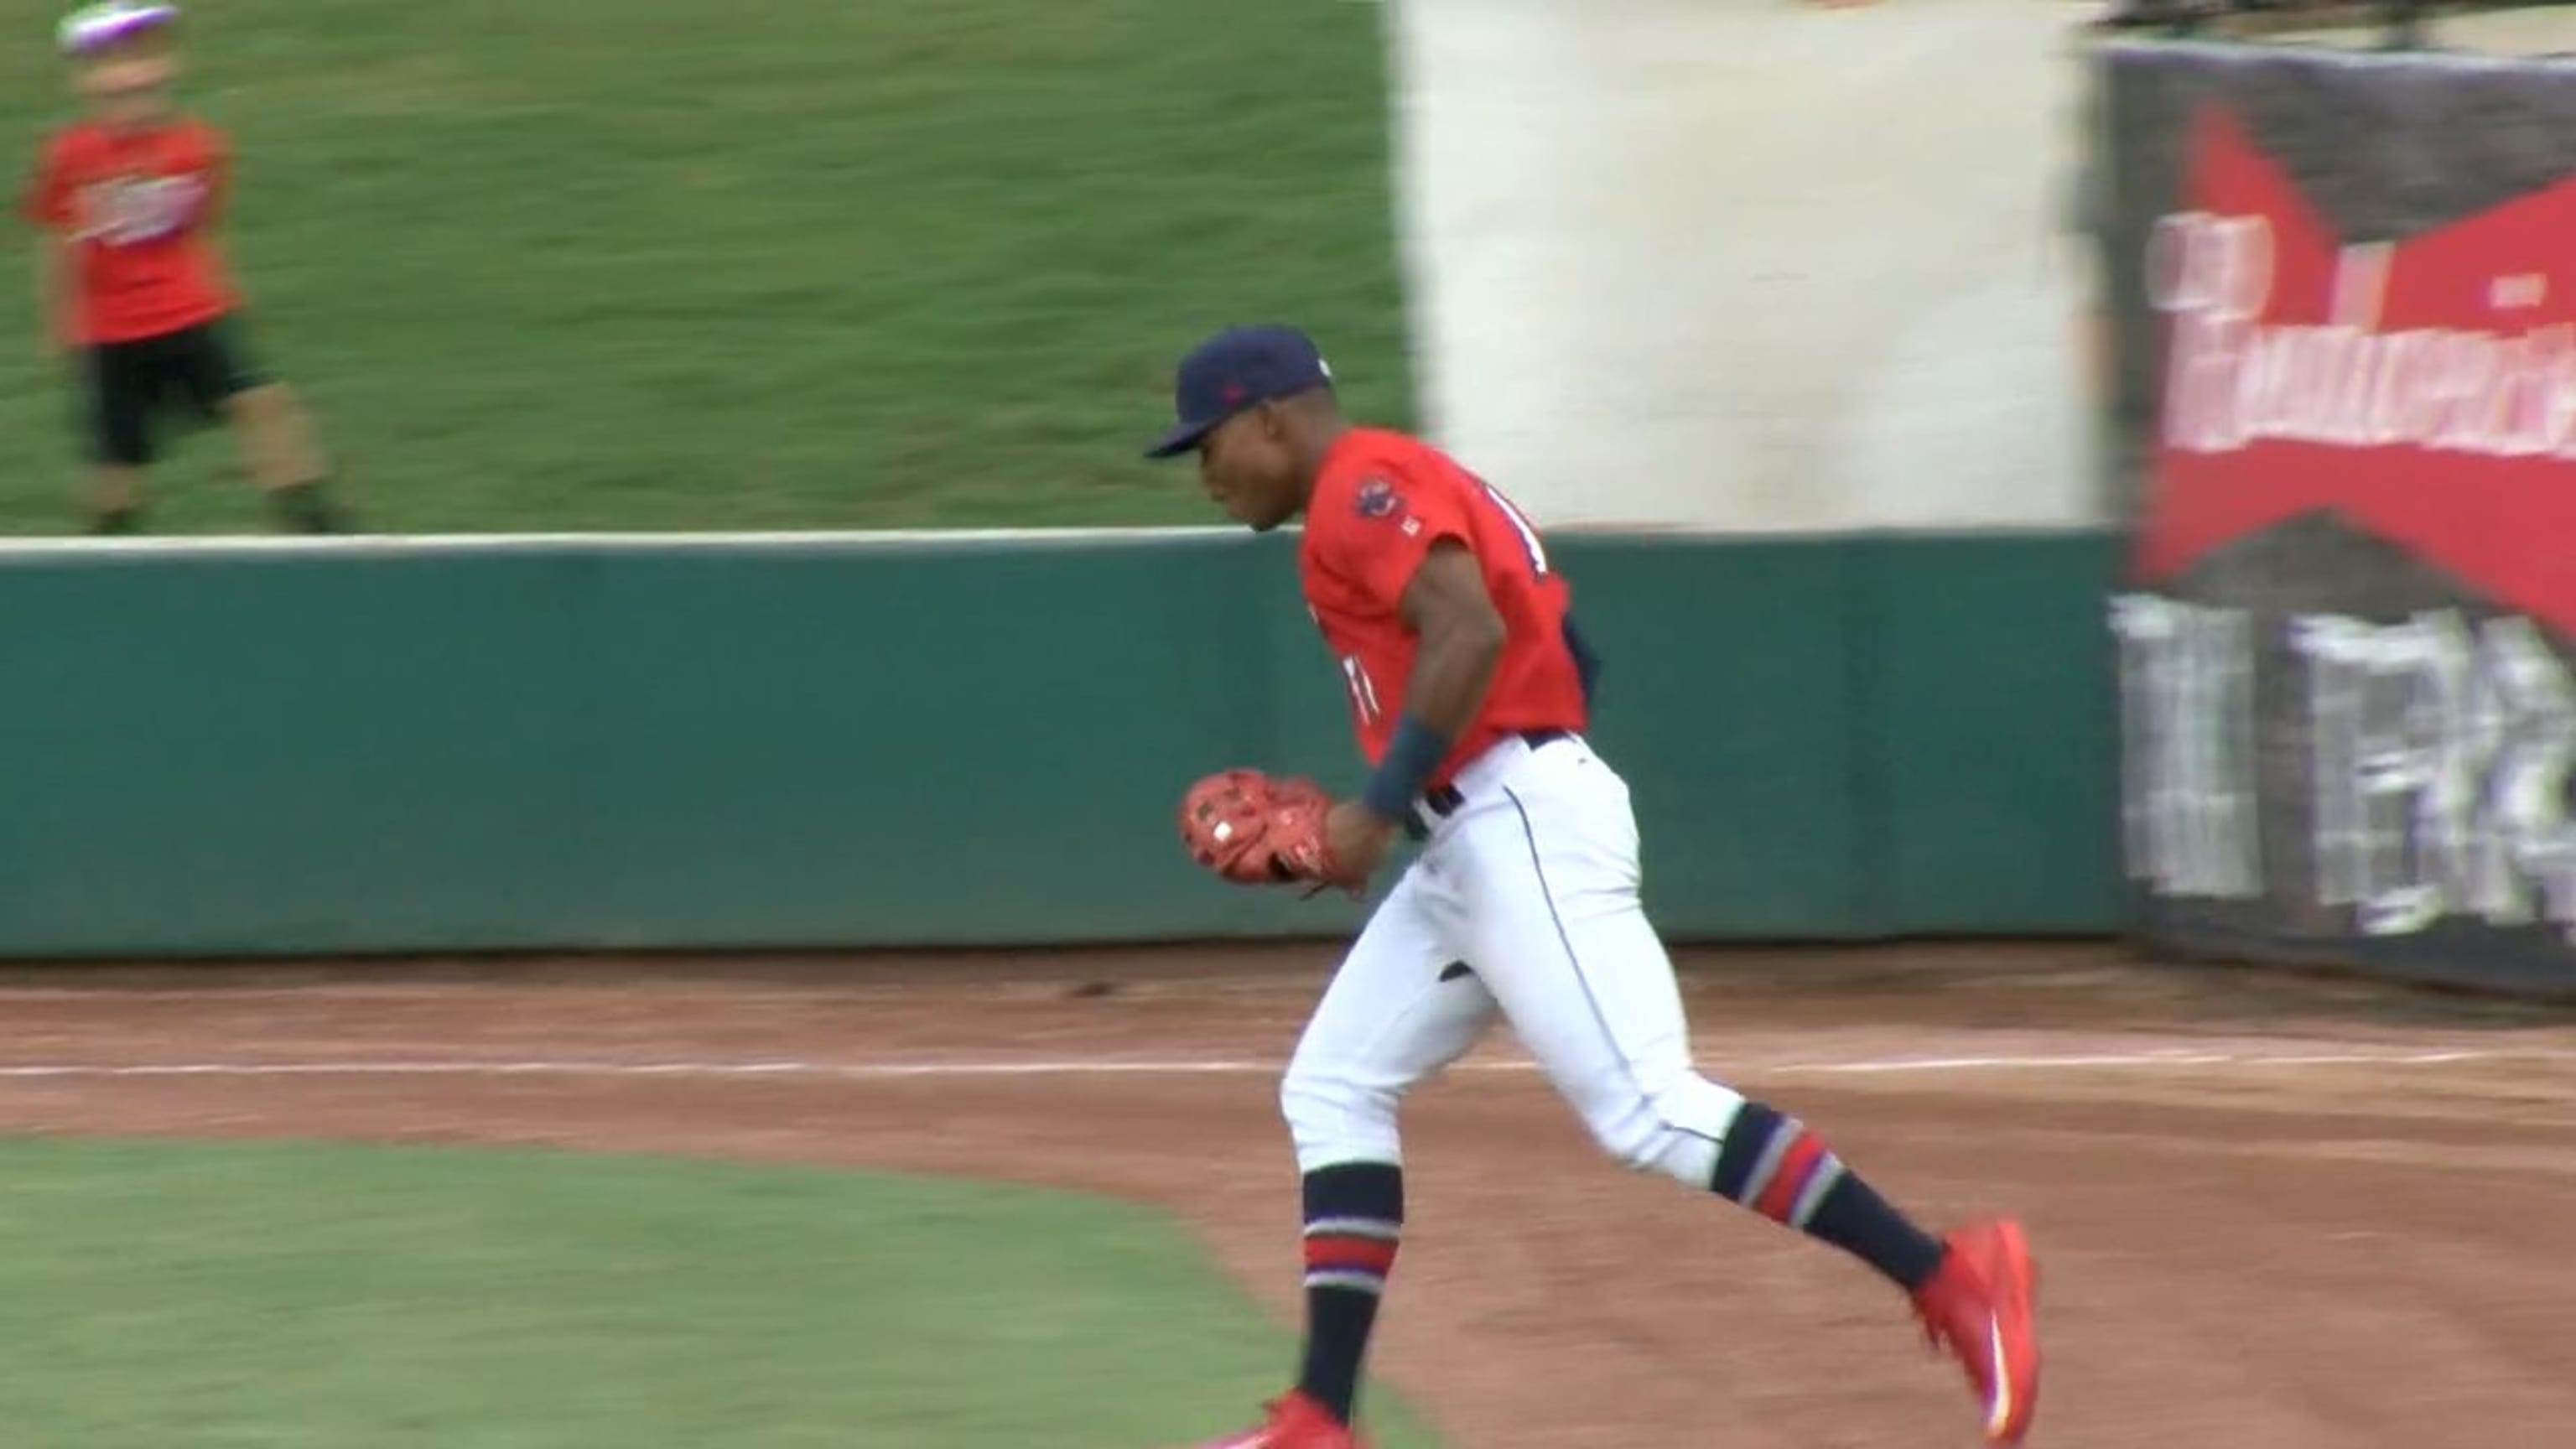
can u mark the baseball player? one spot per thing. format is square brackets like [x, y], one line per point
[132, 286]
[1469, 690]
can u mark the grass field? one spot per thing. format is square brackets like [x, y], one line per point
[297, 1297]
[679, 264]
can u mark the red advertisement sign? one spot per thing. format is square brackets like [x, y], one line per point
[2423, 389]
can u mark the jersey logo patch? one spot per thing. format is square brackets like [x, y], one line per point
[131, 210]
[1378, 499]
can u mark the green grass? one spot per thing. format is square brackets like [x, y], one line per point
[653, 265]
[298, 1297]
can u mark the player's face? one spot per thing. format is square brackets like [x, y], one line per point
[129, 81]
[1246, 466]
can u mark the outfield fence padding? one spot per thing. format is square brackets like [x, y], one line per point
[826, 742]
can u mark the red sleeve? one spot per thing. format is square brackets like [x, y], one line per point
[48, 198]
[1379, 523]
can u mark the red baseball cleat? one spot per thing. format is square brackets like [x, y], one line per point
[1978, 1306]
[1295, 1422]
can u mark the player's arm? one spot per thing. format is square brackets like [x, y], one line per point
[1458, 641]
[47, 297]
[48, 206]
[57, 277]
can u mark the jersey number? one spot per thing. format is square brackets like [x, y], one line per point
[1363, 689]
[1520, 525]
[1355, 675]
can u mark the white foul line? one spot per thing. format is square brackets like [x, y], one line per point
[1230, 1066]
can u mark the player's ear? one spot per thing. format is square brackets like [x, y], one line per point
[1274, 423]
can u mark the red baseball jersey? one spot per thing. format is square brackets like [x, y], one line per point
[1382, 500]
[133, 210]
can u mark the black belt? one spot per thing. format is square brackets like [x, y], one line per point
[1444, 800]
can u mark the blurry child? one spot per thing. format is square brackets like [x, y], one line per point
[131, 282]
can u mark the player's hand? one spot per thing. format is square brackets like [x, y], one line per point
[1356, 839]
[1254, 829]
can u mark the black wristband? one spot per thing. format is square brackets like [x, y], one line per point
[1410, 757]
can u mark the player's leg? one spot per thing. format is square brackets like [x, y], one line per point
[116, 390]
[1400, 1008]
[115, 499]
[1550, 881]
[269, 424]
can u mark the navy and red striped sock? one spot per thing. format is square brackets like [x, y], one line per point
[1354, 1216]
[1775, 1166]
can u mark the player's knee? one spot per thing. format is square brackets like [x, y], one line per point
[1670, 1127]
[1334, 1117]
[261, 402]
[1634, 1139]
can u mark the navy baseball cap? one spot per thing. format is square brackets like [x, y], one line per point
[1237, 369]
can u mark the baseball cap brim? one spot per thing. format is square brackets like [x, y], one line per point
[95, 27]
[1183, 438]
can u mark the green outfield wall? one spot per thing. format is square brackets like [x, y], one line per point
[463, 745]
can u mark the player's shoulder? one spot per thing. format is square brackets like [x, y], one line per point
[70, 142]
[1370, 465]
[1362, 448]
[197, 136]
